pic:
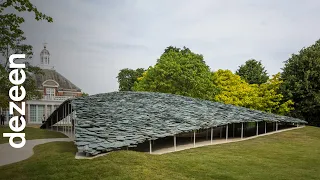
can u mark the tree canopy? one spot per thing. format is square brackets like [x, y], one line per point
[12, 42]
[253, 72]
[301, 76]
[265, 97]
[127, 78]
[181, 72]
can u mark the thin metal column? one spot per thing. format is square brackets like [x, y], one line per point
[276, 126]
[265, 127]
[242, 130]
[150, 146]
[227, 129]
[257, 128]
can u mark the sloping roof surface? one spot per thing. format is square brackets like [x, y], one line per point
[54, 75]
[109, 121]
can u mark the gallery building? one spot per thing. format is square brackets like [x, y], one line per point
[54, 89]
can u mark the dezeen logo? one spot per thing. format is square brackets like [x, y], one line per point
[14, 96]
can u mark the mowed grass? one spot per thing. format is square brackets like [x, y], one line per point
[31, 133]
[288, 155]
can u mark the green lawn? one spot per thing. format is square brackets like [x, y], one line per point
[31, 133]
[288, 155]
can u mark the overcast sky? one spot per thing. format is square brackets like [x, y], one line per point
[91, 40]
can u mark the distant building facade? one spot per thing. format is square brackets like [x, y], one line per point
[54, 89]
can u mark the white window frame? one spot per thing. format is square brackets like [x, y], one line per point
[51, 92]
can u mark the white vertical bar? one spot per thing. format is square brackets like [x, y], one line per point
[242, 130]
[227, 132]
[265, 127]
[150, 146]
[257, 128]
[211, 134]
[175, 142]
[297, 124]
[194, 138]
[276, 126]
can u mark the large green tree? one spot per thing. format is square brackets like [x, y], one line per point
[253, 72]
[12, 40]
[181, 72]
[265, 97]
[301, 76]
[127, 78]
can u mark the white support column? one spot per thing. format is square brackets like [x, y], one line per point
[227, 129]
[276, 126]
[265, 127]
[257, 128]
[150, 146]
[194, 138]
[297, 124]
[242, 130]
[211, 134]
[175, 142]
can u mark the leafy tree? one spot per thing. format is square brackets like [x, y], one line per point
[270, 98]
[12, 42]
[253, 72]
[127, 78]
[181, 72]
[265, 97]
[301, 76]
[234, 90]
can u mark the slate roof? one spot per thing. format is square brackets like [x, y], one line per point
[50, 74]
[106, 122]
